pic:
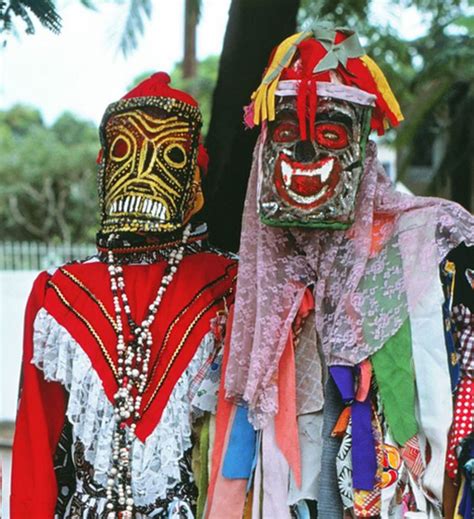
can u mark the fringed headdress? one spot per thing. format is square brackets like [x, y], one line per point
[316, 56]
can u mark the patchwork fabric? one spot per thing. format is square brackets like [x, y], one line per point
[204, 387]
[309, 370]
[463, 423]
[464, 322]
[391, 466]
[411, 456]
[344, 469]
[448, 277]
[368, 503]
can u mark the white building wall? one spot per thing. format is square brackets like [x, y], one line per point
[15, 287]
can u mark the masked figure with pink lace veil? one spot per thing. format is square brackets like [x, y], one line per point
[348, 387]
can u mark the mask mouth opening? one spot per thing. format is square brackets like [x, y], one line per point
[306, 185]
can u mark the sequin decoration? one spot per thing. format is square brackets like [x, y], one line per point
[149, 181]
[313, 183]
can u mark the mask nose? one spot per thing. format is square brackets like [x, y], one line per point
[146, 158]
[304, 151]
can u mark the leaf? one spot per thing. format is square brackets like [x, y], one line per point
[134, 26]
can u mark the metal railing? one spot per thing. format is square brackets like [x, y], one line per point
[40, 256]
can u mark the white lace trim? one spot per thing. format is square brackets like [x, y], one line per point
[155, 467]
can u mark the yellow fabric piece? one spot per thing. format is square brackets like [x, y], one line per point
[383, 87]
[264, 96]
[271, 100]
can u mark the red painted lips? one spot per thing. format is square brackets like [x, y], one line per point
[306, 185]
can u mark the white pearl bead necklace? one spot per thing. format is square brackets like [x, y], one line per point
[132, 372]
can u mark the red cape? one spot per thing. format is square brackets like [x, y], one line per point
[79, 298]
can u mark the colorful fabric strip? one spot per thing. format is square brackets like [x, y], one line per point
[364, 460]
[329, 500]
[344, 378]
[433, 382]
[289, 87]
[393, 367]
[240, 453]
[448, 271]
[276, 472]
[465, 506]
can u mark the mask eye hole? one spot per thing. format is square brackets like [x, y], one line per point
[175, 155]
[286, 132]
[331, 135]
[120, 148]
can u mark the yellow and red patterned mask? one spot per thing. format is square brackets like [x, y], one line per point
[151, 160]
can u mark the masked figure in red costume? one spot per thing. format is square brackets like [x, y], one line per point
[120, 350]
[346, 392]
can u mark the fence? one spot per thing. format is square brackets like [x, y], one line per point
[40, 256]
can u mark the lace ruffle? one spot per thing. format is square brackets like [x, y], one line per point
[155, 463]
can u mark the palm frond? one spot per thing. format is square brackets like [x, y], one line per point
[43, 10]
[134, 26]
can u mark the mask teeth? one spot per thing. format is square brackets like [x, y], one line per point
[163, 212]
[126, 204]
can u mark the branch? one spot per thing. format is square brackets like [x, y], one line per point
[21, 220]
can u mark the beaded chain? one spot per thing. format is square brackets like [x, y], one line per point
[132, 373]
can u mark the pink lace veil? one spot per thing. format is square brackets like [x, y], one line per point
[358, 278]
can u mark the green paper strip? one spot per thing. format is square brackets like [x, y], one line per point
[312, 225]
[393, 368]
[203, 480]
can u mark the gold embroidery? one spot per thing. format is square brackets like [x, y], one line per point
[91, 329]
[92, 296]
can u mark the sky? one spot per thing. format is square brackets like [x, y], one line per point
[81, 70]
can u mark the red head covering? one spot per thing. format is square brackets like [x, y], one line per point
[157, 85]
[319, 55]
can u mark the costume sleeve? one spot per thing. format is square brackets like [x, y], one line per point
[39, 422]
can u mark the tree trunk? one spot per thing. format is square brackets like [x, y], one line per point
[191, 16]
[253, 29]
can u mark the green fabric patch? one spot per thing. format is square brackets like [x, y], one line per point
[394, 372]
[203, 479]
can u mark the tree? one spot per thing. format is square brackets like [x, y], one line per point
[48, 177]
[26, 10]
[192, 13]
[254, 28]
[134, 27]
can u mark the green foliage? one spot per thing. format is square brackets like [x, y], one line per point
[26, 11]
[432, 76]
[48, 177]
[201, 87]
[138, 11]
